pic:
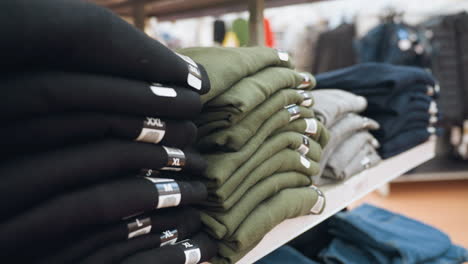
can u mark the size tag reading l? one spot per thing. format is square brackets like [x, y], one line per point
[175, 159]
[294, 112]
[304, 147]
[139, 227]
[320, 203]
[153, 130]
[192, 252]
[169, 237]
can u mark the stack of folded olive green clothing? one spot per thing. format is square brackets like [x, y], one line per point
[262, 142]
[352, 148]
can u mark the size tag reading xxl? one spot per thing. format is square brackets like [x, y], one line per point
[307, 98]
[169, 237]
[153, 130]
[139, 227]
[306, 82]
[175, 159]
[191, 251]
[320, 203]
[304, 147]
[168, 192]
[294, 112]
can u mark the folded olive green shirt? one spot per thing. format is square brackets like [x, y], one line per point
[223, 224]
[291, 140]
[226, 66]
[221, 165]
[288, 203]
[231, 106]
[232, 138]
[283, 161]
[311, 127]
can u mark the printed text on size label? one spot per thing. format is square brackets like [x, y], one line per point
[192, 252]
[175, 159]
[304, 147]
[294, 112]
[169, 237]
[139, 227]
[153, 130]
[168, 192]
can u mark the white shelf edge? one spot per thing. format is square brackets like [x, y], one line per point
[430, 176]
[340, 195]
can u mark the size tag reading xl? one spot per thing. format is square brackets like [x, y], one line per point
[294, 112]
[304, 147]
[306, 81]
[169, 237]
[175, 159]
[139, 227]
[192, 251]
[153, 130]
[168, 192]
[320, 203]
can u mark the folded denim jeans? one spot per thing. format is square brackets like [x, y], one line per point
[369, 234]
[224, 224]
[367, 78]
[283, 161]
[353, 156]
[332, 104]
[251, 91]
[288, 203]
[406, 140]
[227, 66]
[285, 254]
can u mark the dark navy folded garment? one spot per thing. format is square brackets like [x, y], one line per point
[406, 140]
[374, 78]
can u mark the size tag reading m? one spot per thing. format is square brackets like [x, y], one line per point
[169, 237]
[306, 82]
[294, 112]
[168, 192]
[191, 250]
[139, 227]
[320, 203]
[153, 130]
[175, 159]
[307, 98]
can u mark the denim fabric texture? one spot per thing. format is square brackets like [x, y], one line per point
[285, 255]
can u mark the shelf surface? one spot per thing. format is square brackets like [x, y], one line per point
[340, 195]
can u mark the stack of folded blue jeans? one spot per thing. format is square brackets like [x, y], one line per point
[400, 99]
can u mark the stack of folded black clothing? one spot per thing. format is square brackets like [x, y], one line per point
[92, 108]
[262, 144]
[400, 99]
[351, 149]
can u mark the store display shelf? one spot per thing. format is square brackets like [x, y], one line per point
[340, 195]
[436, 176]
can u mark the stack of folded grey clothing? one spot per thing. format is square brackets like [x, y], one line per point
[262, 143]
[85, 111]
[352, 148]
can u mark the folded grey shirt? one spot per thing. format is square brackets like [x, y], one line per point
[343, 130]
[332, 104]
[353, 156]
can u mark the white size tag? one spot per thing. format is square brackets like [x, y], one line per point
[163, 91]
[169, 194]
[431, 130]
[304, 147]
[306, 81]
[305, 162]
[320, 203]
[311, 126]
[284, 56]
[307, 98]
[153, 130]
[139, 227]
[192, 252]
[294, 112]
[187, 59]
[169, 237]
[175, 159]
[194, 81]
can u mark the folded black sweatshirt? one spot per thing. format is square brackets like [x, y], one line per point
[178, 218]
[118, 251]
[83, 37]
[44, 226]
[198, 249]
[27, 137]
[30, 181]
[32, 94]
